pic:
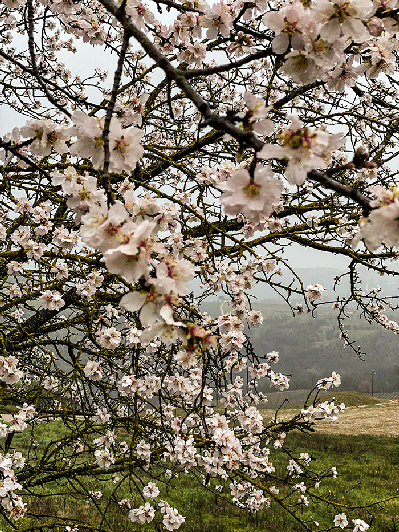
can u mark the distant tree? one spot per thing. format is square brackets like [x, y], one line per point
[228, 133]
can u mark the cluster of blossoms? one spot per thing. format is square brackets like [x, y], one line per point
[8, 484]
[9, 372]
[9, 500]
[341, 521]
[126, 234]
[51, 300]
[171, 519]
[302, 149]
[125, 145]
[327, 409]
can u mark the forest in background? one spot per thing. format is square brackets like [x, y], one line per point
[309, 346]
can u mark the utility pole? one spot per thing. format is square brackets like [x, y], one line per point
[372, 373]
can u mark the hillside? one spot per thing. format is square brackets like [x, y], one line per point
[310, 347]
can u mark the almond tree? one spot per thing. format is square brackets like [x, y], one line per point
[227, 133]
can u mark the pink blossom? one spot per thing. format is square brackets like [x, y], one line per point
[46, 136]
[314, 292]
[343, 17]
[51, 300]
[340, 520]
[109, 338]
[303, 150]
[253, 197]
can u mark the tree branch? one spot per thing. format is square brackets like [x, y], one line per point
[344, 190]
[108, 117]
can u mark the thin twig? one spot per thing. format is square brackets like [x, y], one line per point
[13, 149]
[35, 70]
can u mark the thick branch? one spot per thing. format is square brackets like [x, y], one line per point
[196, 72]
[344, 190]
[108, 117]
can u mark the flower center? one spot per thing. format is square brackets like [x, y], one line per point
[252, 189]
[51, 137]
[301, 138]
[290, 27]
[121, 145]
[341, 11]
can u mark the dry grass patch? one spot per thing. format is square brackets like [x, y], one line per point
[376, 418]
[381, 419]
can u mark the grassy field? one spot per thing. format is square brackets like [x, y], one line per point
[367, 461]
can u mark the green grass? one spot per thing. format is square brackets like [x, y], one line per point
[368, 471]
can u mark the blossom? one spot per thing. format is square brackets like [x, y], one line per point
[340, 520]
[172, 520]
[101, 416]
[153, 306]
[9, 373]
[102, 226]
[279, 380]
[360, 525]
[104, 458]
[272, 357]
[92, 370]
[255, 318]
[173, 276]
[314, 292]
[253, 197]
[50, 383]
[218, 18]
[343, 17]
[15, 291]
[335, 379]
[303, 150]
[132, 258]
[126, 149]
[288, 25]
[168, 333]
[301, 66]
[109, 338]
[382, 224]
[124, 144]
[140, 13]
[143, 514]
[151, 491]
[382, 57]
[47, 135]
[257, 113]
[51, 300]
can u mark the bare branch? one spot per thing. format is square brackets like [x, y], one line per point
[108, 117]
